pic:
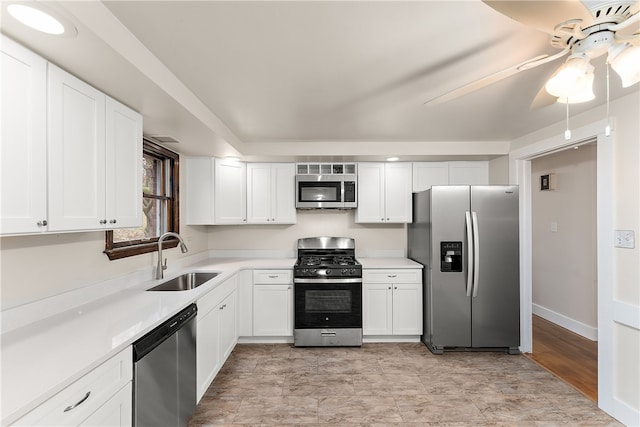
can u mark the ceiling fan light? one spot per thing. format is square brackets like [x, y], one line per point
[585, 96]
[571, 79]
[625, 60]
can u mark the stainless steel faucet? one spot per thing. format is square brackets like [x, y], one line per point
[161, 268]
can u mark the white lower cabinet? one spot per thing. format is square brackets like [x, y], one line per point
[103, 397]
[392, 302]
[216, 332]
[273, 303]
[117, 411]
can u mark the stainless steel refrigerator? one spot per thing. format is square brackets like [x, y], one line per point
[467, 239]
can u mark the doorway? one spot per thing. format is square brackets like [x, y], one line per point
[564, 264]
[520, 173]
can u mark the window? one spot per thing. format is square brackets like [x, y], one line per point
[160, 205]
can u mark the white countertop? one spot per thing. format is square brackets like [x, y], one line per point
[388, 263]
[43, 357]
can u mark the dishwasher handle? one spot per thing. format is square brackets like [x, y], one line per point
[160, 334]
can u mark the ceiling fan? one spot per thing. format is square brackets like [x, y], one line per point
[583, 29]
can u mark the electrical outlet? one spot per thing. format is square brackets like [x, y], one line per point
[625, 239]
[554, 227]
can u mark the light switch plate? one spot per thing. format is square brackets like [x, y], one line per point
[625, 239]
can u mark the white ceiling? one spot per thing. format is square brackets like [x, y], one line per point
[241, 77]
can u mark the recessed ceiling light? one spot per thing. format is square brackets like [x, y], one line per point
[392, 159]
[41, 20]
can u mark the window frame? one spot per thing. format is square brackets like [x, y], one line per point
[119, 250]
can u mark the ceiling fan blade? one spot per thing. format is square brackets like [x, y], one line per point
[542, 15]
[495, 77]
[542, 99]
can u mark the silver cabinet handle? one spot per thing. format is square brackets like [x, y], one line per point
[103, 221]
[395, 287]
[42, 223]
[71, 407]
[273, 277]
[113, 221]
[389, 287]
[392, 275]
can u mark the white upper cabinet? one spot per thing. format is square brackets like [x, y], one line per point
[77, 153]
[123, 166]
[271, 193]
[199, 190]
[95, 170]
[71, 156]
[384, 193]
[220, 191]
[426, 174]
[23, 142]
[230, 192]
[468, 173]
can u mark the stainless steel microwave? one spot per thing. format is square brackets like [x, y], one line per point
[326, 191]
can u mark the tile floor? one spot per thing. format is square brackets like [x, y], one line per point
[388, 385]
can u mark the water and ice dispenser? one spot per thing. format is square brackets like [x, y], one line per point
[451, 256]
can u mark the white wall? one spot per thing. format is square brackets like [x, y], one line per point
[565, 261]
[499, 171]
[371, 239]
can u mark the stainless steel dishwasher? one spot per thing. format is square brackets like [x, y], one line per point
[164, 372]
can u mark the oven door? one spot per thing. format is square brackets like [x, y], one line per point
[329, 304]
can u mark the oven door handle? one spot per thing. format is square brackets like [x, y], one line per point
[337, 281]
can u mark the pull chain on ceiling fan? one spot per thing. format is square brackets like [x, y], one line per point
[611, 27]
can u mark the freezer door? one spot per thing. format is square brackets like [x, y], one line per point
[450, 308]
[495, 308]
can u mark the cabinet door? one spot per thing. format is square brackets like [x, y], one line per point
[283, 193]
[23, 142]
[273, 310]
[259, 194]
[116, 412]
[469, 173]
[230, 204]
[207, 349]
[407, 309]
[76, 116]
[377, 307]
[398, 183]
[124, 166]
[228, 326]
[199, 190]
[370, 193]
[426, 174]
[245, 303]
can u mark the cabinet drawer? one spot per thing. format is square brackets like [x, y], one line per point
[272, 277]
[215, 297]
[392, 276]
[77, 402]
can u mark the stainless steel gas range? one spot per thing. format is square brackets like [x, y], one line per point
[327, 283]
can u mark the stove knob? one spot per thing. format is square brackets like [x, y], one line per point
[345, 271]
[328, 272]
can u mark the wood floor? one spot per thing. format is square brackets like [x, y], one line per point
[570, 356]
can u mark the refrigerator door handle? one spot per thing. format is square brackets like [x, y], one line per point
[470, 258]
[476, 254]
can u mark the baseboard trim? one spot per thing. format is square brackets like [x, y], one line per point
[573, 325]
[626, 414]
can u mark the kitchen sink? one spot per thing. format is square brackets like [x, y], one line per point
[185, 282]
